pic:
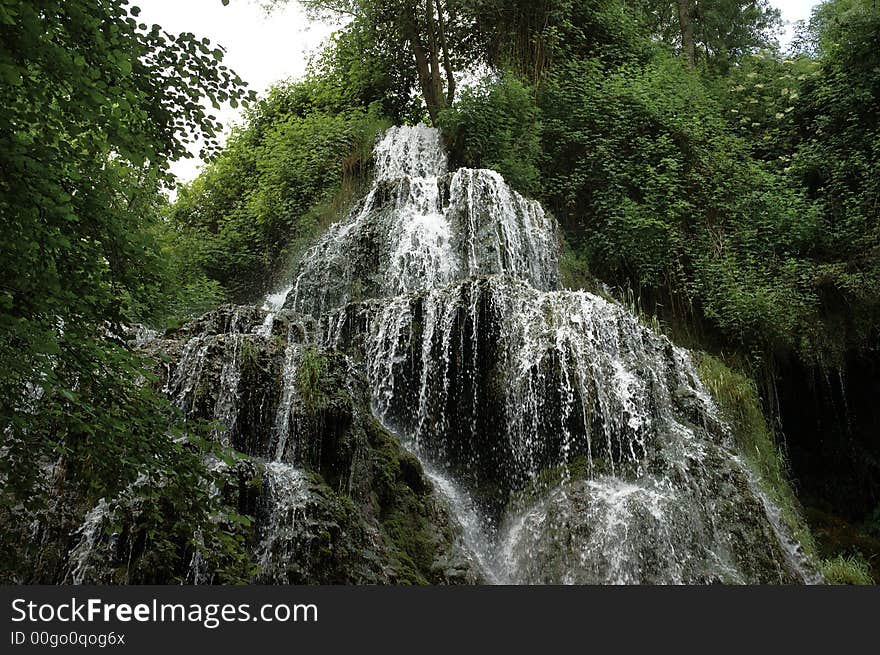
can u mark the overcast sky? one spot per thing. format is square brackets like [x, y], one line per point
[263, 48]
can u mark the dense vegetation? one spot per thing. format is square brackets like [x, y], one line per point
[728, 188]
[94, 107]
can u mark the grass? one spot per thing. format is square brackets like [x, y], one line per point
[740, 406]
[847, 570]
[312, 368]
[837, 536]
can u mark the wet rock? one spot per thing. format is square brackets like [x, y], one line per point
[607, 530]
[339, 499]
[550, 436]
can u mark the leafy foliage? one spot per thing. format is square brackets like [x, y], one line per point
[837, 161]
[93, 106]
[531, 38]
[737, 202]
[847, 570]
[660, 196]
[284, 175]
[725, 31]
[497, 125]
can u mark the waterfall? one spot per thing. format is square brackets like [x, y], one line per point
[185, 385]
[573, 443]
[288, 496]
[285, 415]
[83, 553]
[422, 228]
[570, 442]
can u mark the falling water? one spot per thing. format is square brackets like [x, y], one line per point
[287, 497]
[571, 443]
[421, 228]
[286, 415]
[90, 533]
[273, 303]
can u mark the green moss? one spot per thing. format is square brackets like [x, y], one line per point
[573, 268]
[202, 390]
[402, 496]
[255, 482]
[413, 547]
[740, 406]
[250, 354]
[579, 468]
[847, 570]
[383, 461]
[312, 370]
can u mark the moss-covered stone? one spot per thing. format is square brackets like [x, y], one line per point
[357, 507]
[740, 406]
[368, 513]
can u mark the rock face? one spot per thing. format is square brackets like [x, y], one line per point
[420, 227]
[444, 288]
[588, 446]
[334, 496]
[423, 404]
[592, 531]
[339, 500]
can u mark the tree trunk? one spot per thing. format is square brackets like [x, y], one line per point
[447, 62]
[687, 32]
[434, 50]
[423, 67]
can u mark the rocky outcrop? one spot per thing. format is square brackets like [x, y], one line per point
[318, 490]
[423, 404]
[338, 500]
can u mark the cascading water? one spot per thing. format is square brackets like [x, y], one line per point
[288, 496]
[575, 444]
[571, 443]
[421, 228]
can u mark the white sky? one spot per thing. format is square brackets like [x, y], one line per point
[793, 10]
[264, 49]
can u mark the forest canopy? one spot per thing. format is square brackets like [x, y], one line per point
[737, 200]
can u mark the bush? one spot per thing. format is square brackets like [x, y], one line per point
[496, 124]
[847, 570]
[250, 210]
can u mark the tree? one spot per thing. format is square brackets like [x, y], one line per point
[532, 38]
[687, 32]
[716, 32]
[93, 107]
[429, 30]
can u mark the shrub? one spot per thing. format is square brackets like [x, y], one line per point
[246, 214]
[847, 570]
[496, 124]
